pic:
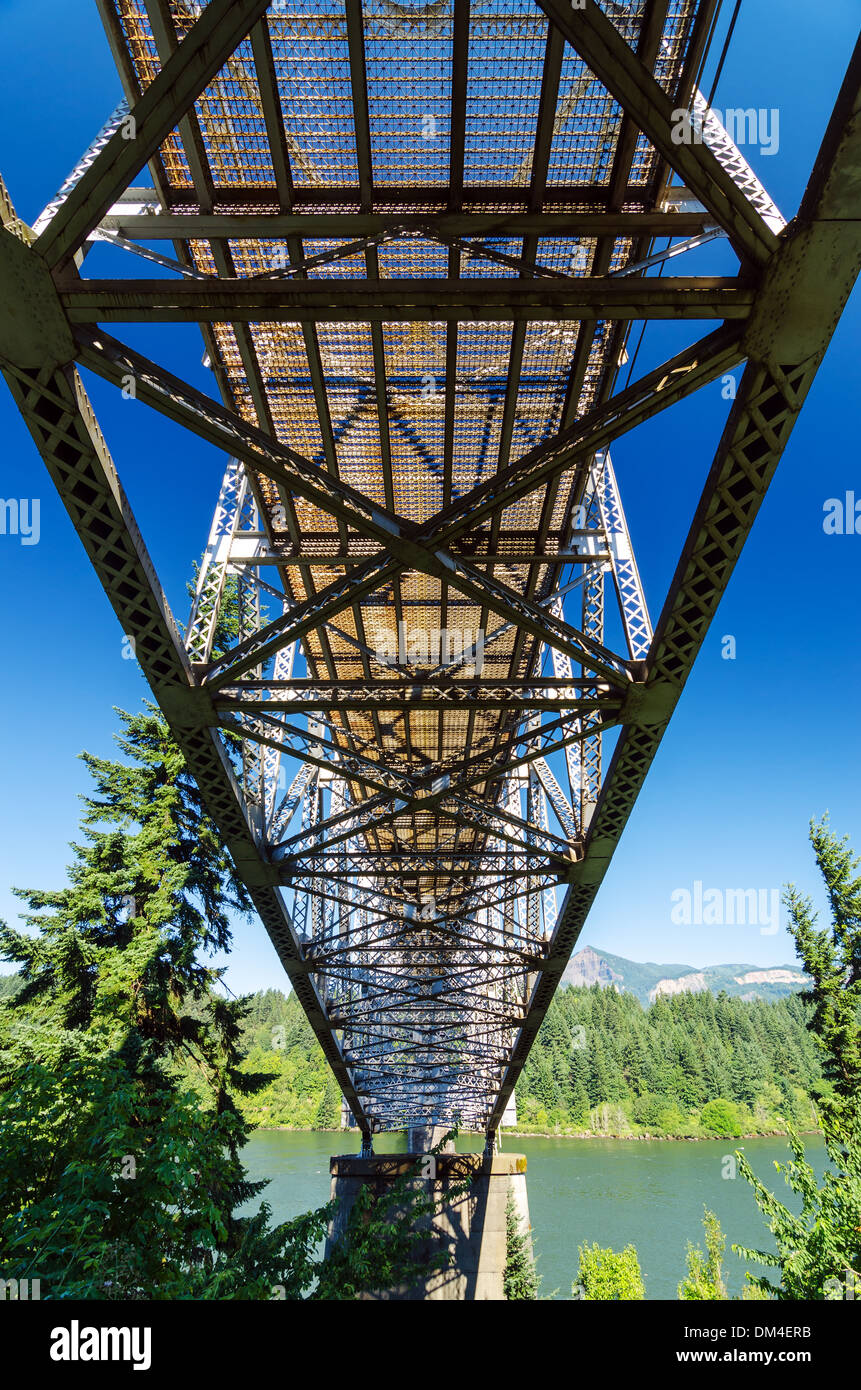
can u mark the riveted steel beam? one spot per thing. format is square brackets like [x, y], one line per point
[274, 300]
[165, 226]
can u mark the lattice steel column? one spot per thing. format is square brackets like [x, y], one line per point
[626, 576]
[214, 567]
[592, 624]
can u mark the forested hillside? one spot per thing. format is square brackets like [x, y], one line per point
[303, 1093]
[693, 1064]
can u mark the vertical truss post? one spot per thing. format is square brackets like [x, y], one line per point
[214, 568]
[626, 576]
[592, 624]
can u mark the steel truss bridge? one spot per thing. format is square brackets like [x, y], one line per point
[416, 238]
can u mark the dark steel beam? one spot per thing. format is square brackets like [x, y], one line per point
[477, 197]
[163, 28]
[322, 225]
[273, 116]
[459, 79]
[359, 86]
[275, 696]
[273, 300]
[326, 560]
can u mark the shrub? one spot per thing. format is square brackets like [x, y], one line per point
[720, 1117]
[609, 1275]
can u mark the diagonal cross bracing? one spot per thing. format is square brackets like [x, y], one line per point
[416, 240]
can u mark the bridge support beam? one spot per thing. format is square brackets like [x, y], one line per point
[471, 1227]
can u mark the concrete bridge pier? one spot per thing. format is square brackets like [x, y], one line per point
[471, 1227]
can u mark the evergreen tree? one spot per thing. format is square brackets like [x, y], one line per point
[579, 1104]
[689, 1088]
[119, 1043]
[599, 1080]
[520, 1280]
[329, 1110]
[546, 1087]
[120, 1068]
[819, 1251]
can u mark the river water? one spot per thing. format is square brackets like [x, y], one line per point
[649, 1193]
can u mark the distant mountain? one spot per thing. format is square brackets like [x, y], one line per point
[648, 980]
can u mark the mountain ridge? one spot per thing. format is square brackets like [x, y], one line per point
[649, 980]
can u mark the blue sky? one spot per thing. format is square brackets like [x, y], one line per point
[757, 745]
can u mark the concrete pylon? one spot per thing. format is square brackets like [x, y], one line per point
[470, 1226]
[422, 1138]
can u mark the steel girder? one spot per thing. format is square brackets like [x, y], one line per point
[276, 300]
[407, 868]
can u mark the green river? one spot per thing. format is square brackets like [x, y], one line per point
[649, 1193]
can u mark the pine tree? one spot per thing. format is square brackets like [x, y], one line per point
[819, 1251]
[120, 1064]
[546, 1087]
[599, 1080]
[118, 1011]
[520, 1280]
[579, 1104]
[329, 1110]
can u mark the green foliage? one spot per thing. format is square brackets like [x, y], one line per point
[720, 1117]
[601, 1063]
[691, 1064]
[520, 1279]
[819, 1250]
[119, 1061]
[606, 1275]
[112, 1190]
[278, 1042]
[704, 1278]
[126, 1078]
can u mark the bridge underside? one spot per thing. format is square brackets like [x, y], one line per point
[416, 239]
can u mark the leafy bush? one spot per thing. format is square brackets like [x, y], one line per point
[606, 1275]
[720, 1117]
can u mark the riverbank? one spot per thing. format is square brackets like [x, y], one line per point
[551, 1134]
[651, 1138]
